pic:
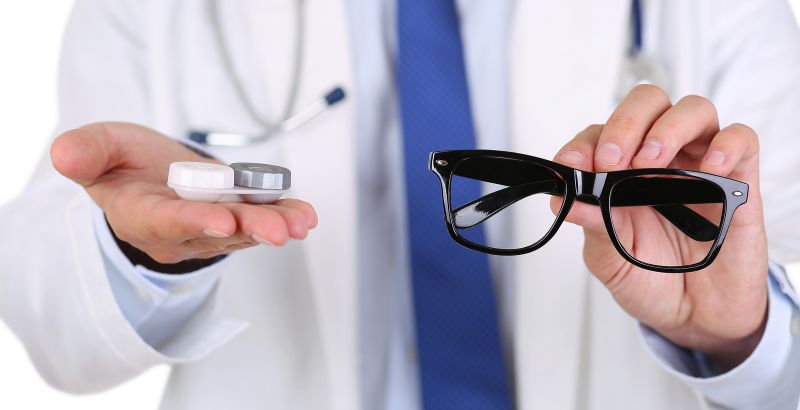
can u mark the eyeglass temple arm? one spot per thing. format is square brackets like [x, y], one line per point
[669, 197]
[666, 201]
[483, 208]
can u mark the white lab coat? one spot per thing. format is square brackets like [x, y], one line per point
[153, 62]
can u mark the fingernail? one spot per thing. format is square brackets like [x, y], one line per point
[215, 234]
[650, 150]
[262, 240]
[573, 156]
[609, 154]
[715, 158]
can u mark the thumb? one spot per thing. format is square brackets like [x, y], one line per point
[86, 153]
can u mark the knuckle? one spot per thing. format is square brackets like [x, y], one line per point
[669, 128]
[622, 122]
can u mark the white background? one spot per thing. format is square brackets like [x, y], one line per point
[30, 32]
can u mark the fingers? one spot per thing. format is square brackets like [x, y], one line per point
[271, 225]
[578, 153]
[296, 223]
[622, 134]
[178, 220]
[172, 229]
[687, 127]
[140, 218]
[733, 152]
[175, 230]
[84, 154]
[304, 207]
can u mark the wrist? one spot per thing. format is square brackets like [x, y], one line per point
[730, 354]
[725, 348]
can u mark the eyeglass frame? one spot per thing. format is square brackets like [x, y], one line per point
[584, 184]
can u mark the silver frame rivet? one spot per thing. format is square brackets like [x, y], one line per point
[737, 193]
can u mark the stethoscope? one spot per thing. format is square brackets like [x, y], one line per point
[637, 68]
[290, 120]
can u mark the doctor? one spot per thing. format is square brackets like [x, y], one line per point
[107, 275]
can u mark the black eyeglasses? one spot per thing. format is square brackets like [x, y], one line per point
[690, 208]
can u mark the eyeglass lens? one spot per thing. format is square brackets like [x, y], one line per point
[685, 210]
[649, 210]
[509, 187]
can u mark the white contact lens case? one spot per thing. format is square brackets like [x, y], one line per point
[248, 182]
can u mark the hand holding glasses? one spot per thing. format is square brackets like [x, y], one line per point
[692, 208]
[628, 184]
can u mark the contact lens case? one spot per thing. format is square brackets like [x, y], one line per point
[237, 182]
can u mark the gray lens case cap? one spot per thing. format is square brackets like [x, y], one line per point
[261, 176]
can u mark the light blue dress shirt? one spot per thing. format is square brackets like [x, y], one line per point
[157, 305]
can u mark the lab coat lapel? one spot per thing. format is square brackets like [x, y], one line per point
[563, 78]
[321, 156]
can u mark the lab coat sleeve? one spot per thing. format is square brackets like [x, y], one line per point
[157, 305]
[55, 293]
[768, 379]
[754, 65]
[756, 77]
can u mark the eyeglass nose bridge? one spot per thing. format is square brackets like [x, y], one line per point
[589, 184]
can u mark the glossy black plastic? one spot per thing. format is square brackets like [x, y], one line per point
[503, 168]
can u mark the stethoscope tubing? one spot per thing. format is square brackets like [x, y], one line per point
[291, 121]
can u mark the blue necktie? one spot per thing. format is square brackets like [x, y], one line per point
[458, 335]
